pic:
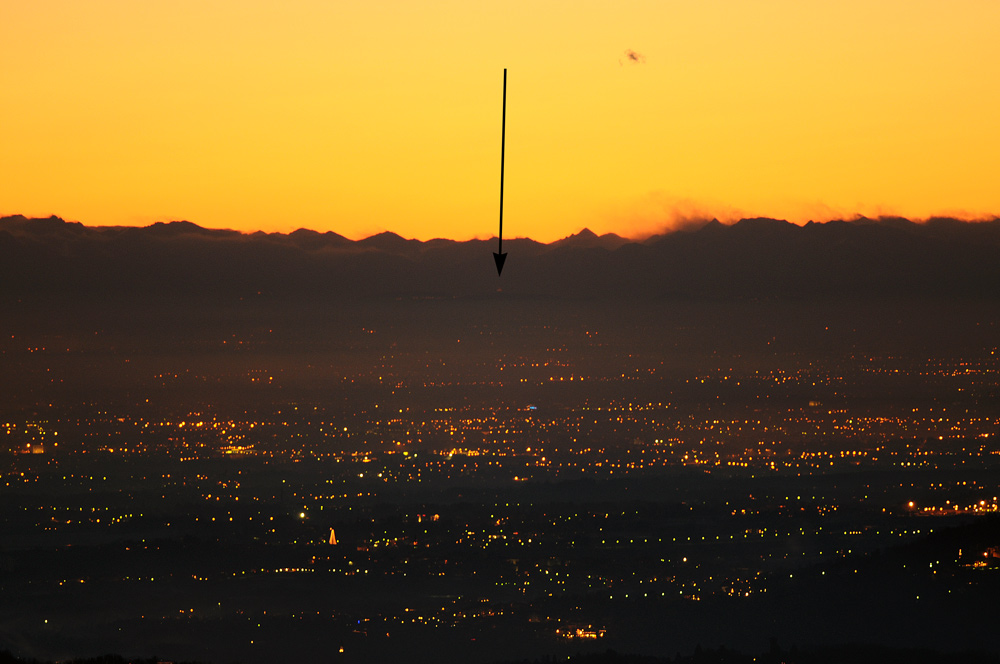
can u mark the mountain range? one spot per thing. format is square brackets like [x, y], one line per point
[750, 259]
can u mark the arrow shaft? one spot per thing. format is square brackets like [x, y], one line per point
[503, 142]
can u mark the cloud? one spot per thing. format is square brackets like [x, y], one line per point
[633, 58]
[658, 212]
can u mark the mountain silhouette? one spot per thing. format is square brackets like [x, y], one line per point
[587, 239]
[385, 241]
[751, 259]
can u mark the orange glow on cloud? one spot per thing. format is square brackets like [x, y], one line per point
[385, 115]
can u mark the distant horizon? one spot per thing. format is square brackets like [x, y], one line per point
[693, 223]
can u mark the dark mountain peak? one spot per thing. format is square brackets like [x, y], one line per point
[613, 240]
[18, 224]
[310, 239]
[584, 236]
[15, 219]
[439, 243]
[179, 230]
[587, 239]
[385, 236]
[714, 226]
[169, 228]
[385, 241]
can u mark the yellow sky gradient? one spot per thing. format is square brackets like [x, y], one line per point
[378, 115]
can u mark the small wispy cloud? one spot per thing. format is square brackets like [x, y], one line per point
[633, 58]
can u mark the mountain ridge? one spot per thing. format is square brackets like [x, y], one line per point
[583, 238]
[757, 258]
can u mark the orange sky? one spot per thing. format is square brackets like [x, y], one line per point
[367, 116]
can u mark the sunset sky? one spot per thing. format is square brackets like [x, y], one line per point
[359, 117]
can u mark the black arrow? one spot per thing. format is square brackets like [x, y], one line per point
[499, 256]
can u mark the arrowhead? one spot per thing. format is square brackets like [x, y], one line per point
[499, 258]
